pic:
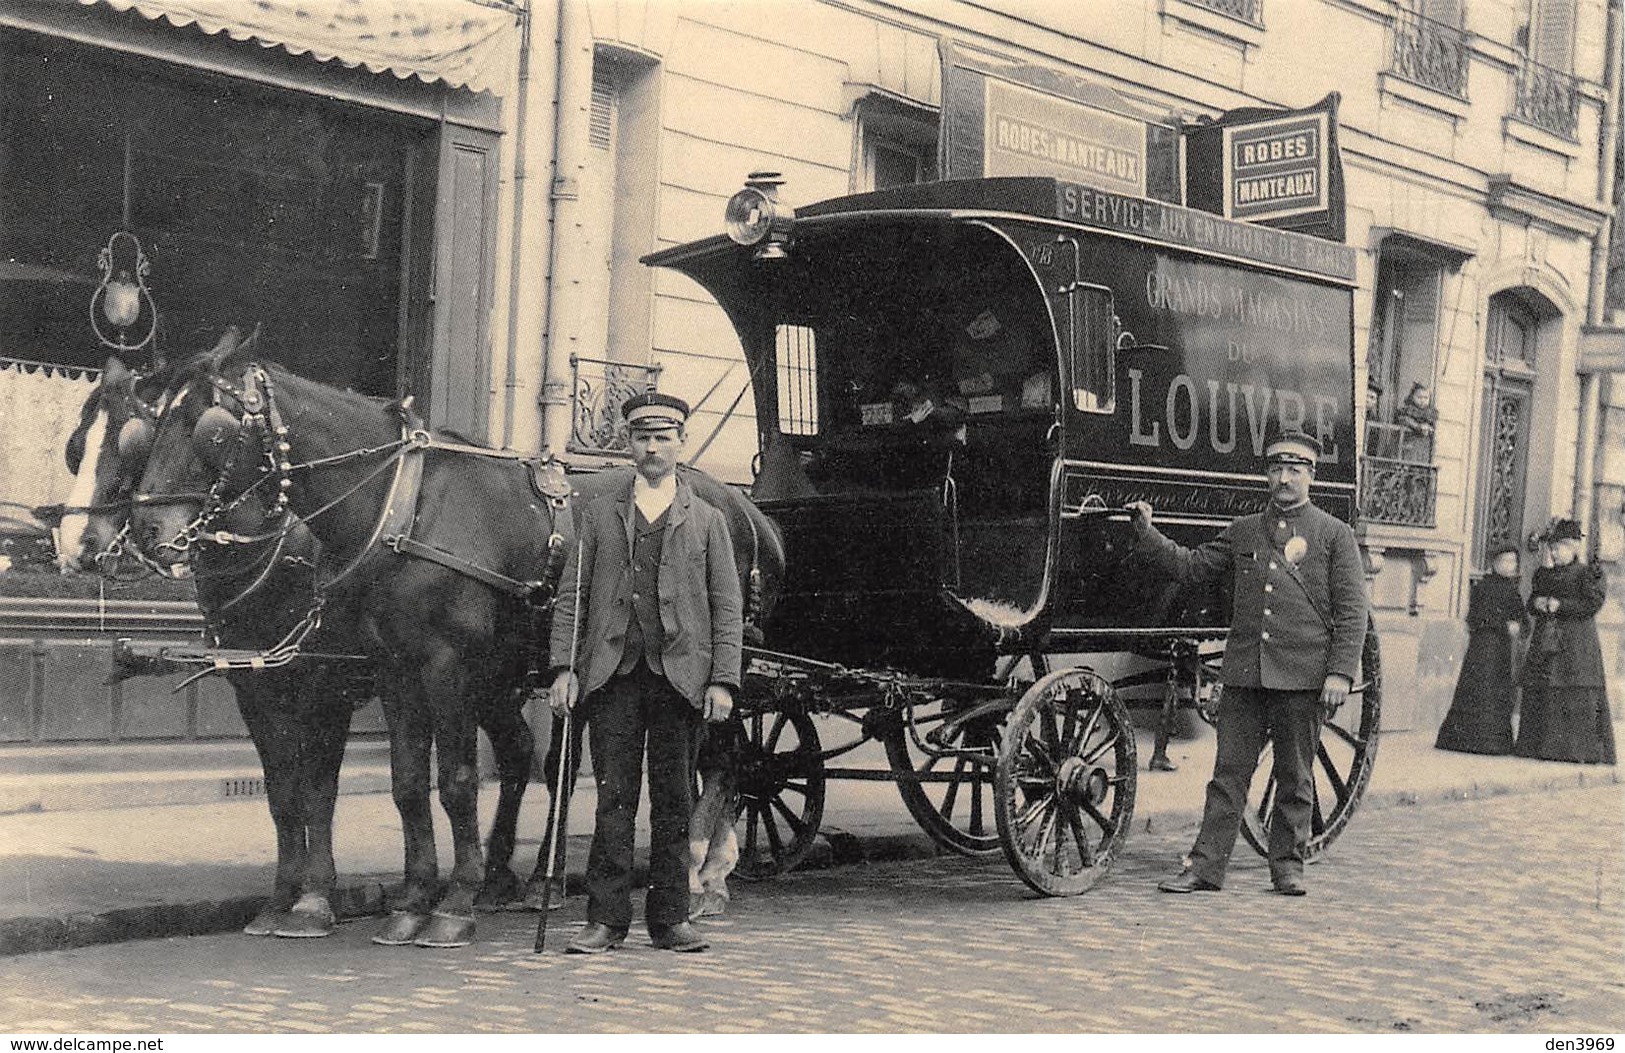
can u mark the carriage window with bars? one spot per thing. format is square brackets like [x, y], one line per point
[796, 352]
[1094, 350]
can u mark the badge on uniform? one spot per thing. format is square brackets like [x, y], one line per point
[1296, 548]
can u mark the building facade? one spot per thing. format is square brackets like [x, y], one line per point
[469, 228]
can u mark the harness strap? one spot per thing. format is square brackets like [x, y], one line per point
[407, 546]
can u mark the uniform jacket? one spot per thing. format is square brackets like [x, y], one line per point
[1571, 633]
[1291, 627]
[701, 610]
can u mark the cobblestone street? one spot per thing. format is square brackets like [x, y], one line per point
[1496, 915]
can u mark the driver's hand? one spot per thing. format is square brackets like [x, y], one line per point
[1334, 692]
[562, 696]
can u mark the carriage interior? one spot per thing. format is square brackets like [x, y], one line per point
[914, 379]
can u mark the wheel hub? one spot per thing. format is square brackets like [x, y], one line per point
[1081, 783]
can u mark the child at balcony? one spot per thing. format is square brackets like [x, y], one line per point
[1480, 717]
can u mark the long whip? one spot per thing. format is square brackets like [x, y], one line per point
[566, 761]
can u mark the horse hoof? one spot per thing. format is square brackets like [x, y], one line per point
[264, 923]
[501, 891]
[311, 917]
[447, 930]
[402, 928]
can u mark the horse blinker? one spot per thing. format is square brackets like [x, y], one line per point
[213, 436]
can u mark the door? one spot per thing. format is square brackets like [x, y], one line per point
[1504, 443]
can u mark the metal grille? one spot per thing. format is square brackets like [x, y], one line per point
[1397, 492]
[1431, 53]
[1245, 10]
[797, 356]
[1547, 98]
[600, 389]
[242, 788]
[1502, 518]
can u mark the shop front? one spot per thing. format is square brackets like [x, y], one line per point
[172, 167]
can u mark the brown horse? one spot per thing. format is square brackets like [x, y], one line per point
[440, 633]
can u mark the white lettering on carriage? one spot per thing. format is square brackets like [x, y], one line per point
[1137, 436]
[1264, 406]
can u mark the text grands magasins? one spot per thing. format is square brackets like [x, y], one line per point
[1262, 330]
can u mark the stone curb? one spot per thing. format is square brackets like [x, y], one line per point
[366, 896]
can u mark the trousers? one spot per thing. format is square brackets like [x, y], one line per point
[1248, 717]
[631, 716]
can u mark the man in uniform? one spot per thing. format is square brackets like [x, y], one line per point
[1294, 649]
[660, 650]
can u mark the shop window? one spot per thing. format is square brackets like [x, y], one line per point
[897, 143]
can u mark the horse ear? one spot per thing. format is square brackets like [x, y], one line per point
[230, 343]
[114, 372]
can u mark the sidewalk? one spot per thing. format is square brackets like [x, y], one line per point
[92, 873]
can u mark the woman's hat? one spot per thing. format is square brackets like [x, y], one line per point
[1564, 530]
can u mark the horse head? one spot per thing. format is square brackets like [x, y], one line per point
[106, 454]
[758, 547]
[196, 450]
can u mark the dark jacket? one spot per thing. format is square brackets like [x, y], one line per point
[701, 609]
[1563, 648]
[1291, 627]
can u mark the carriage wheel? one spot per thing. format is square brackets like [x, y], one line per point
[950, 797]
[1066, 782]
[1343, 761]
[781, 793]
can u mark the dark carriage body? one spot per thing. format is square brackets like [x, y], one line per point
[1078, 350]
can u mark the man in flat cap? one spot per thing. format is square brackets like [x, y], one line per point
[1298, 622]
[659, 652]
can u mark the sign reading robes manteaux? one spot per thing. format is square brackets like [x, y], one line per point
[1276, 167]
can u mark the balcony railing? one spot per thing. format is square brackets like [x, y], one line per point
[1245, 10]
[1398, 481]
[600, 387]
[1432, 54]
[1547, 98]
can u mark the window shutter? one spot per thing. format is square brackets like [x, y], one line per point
[1551, 38]
[601, 125]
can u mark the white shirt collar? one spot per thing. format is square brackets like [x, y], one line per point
[653, 501]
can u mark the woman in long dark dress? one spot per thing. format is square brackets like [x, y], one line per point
[1565, 713]
[1480, 717]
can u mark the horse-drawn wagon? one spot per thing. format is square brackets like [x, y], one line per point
[958, 387]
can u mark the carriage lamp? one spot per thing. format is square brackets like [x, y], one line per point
[119, 297]
[756, 216]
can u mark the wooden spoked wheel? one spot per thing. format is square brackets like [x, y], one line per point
[1065, 782]
[781, 793]
[950, 796]
[1344, 759]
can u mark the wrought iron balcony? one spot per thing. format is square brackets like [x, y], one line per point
[1547, 98]
[1432, 54]
[1244, 10]
[1398, 481]
[600, 387]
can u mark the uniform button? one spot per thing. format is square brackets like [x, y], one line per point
[1269, 588]
[1272, 564]
[1268, 612]
[635, 596]
[1265, 634]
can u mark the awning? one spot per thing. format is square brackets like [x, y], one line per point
[465, 43]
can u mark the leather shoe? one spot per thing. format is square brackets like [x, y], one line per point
[595, 939]
[680, 937]
[1186, 881]
[1290, 885]
[707, 905]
